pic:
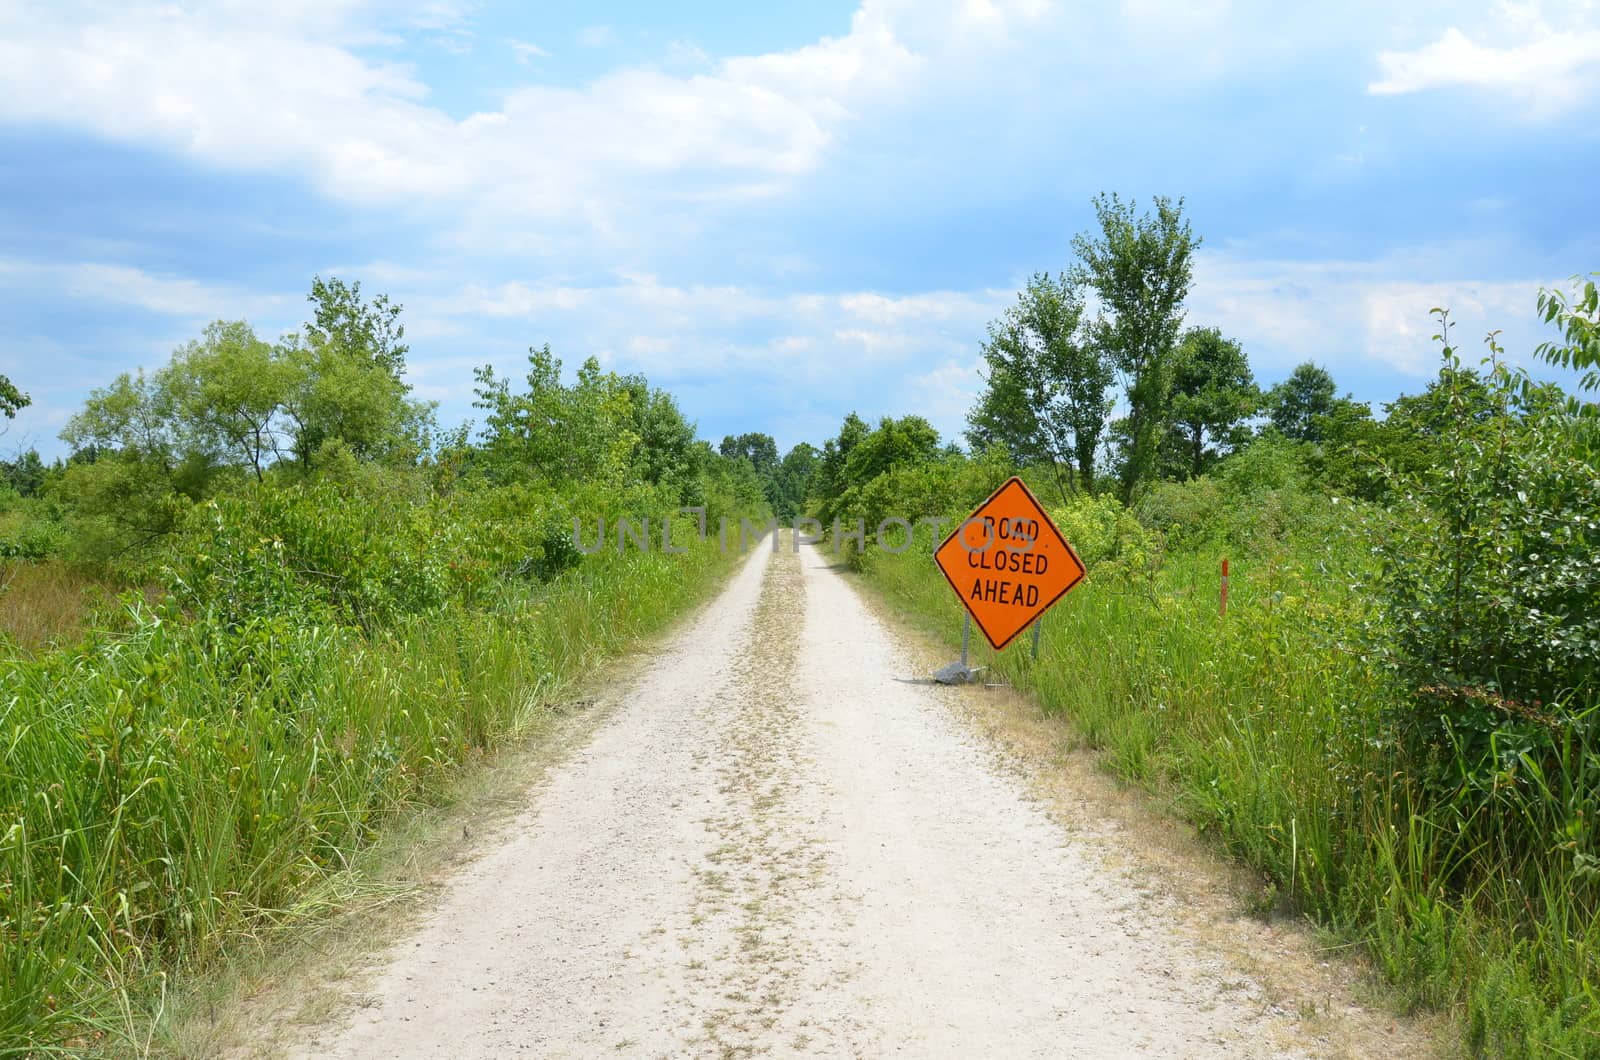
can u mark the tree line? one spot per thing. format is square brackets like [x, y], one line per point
[330, 403]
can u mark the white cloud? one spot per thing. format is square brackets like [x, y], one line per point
[1354, 313]
[124, 285]
[285, 89]
[1544, 69]
[867, 350]
[526, 51]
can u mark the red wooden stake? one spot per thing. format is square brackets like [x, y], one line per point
[1222, 608]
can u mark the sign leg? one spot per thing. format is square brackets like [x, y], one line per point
[1036, 624]
[966, 635]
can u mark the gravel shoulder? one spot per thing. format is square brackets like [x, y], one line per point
[782, 841]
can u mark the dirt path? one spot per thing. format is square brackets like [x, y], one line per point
[781, 844]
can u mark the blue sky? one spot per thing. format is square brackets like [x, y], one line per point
[780, 214]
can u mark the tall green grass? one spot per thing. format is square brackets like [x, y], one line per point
[168, 791]
[1266, 728]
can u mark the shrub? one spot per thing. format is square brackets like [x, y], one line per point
[309, 549]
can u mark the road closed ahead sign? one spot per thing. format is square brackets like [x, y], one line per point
[1008, 562]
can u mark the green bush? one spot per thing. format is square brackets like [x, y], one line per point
[1492, 582]
[309, 549]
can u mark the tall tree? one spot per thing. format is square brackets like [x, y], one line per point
[790, 480]
[759, 449]
[368, 330]
[1003, 416]
[350, 393]
[1296, 404]
[908, 440]
[1213, 394]
[828, 482]
[554, 432]
[26, 473]
[666, 438]
[1140, 266]
[1047, 384]
[227, 391]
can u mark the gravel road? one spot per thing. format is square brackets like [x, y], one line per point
[784, 842]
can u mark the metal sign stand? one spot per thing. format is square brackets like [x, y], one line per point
[959, 673]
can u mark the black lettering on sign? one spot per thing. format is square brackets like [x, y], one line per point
[1001, 591]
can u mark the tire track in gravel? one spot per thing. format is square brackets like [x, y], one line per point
[764, 887]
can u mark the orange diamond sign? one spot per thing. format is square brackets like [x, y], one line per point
[1008, 562]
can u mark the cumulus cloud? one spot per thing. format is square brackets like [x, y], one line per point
[880, 353]
[1355, 314]
[1521, 54]
[287, 88]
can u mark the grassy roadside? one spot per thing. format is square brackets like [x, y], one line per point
[1262, 728]
[176, 795]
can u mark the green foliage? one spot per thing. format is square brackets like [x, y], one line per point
[903, 442]
[230, 402]
[1493, 576]
[26, 474]
[1213, 394]
[226, 393]
[356, 329]
[347, 391]
[12, 400]
[1253, 500]
[176, 792]
[1107, 536]
[1140, 266]
[829, 482]
[124, 506]
[664, 453]
[759, 449]
[1004, 416]
[1046, 395]
[789, 484]
[557, 433]
[1296, 405]
[31, 538]
[1578, 317]
[309, 551]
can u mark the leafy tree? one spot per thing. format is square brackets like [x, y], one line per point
[368, 330]
[133, 415]
[663, 453]
[1416, 429]
[556, 433]
[905, 442]
[1140, 266]
[1295, 404]
[26, 474]
[759, 449]
[828, 482]
[1213, 394]
[1348, 457]
[349, 392]
[11, 399]
[227, 392]
[792, 479]
[1046, 395]
[1003, 417]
